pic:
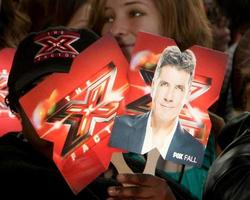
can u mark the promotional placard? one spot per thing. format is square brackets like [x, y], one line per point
[165, 111]
[76, 110]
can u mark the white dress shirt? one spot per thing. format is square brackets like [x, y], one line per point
[149, 144]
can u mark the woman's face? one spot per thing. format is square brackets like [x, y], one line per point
[124, 18]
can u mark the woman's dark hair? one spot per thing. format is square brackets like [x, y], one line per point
[14, 25]
[64, 10]
[47, 13]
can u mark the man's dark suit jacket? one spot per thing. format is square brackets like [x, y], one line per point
[128, 133]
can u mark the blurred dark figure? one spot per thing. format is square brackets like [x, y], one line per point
[241, 75]
[221, 39]
[237, 12]
[229, 176]
[233, 129]
[220, 23]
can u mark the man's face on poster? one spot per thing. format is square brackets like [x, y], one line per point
[170, 93]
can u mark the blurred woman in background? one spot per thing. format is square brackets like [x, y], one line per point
[184, 21]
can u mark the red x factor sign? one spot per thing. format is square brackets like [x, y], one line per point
[85, 111]
[206, 85]
[76, 110]
[56, 46]
[8, 122]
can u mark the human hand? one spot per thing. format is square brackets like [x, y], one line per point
[142, 186]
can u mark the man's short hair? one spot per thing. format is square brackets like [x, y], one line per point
[172, 56]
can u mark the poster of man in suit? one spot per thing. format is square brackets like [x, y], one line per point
[161, 128]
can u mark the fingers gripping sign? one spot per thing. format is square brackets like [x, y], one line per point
[145, 186]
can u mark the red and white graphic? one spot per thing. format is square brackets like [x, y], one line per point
[76, 110]
[56, 46]
[195, 120]
[206, 85]
[3, 90]
[8, 121]
[82, 111]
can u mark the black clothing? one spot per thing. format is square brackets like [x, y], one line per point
[25, 173]
[229, 176]
[233, 129]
